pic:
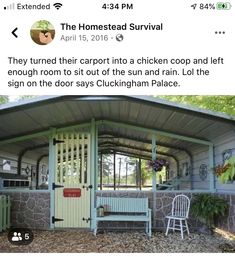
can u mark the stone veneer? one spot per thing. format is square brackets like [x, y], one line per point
[160, 203]
[30, 209]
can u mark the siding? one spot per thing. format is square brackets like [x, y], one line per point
[227, 141]
[26, 162]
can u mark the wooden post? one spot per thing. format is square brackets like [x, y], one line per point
[126, 172]
[154, 178]
[211, 171]
[52, 175]
[93, 169]
[96, 156]
[101, 171]
[136, 174]
[1, 213]
[154, 156]
[114, 170]
[119, 173]
[140, 175]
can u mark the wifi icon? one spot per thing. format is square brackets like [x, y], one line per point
[57, 5]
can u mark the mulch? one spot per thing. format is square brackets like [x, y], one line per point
[77, 241]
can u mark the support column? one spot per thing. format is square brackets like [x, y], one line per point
[96, 158]
[52, 174]
[101, 171]
[211, 165]
[154, 180]
[93, 169]
[154, 156]
[114, 171]
[140, 174]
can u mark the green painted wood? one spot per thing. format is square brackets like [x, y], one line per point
[154, 157]
[72, 127]
[124, 205]
[96, 158]
[123, 218]
[4, 212]
[24, 137]
[155, 131]
[1, 212]
[211, 170]
[47, 132]
[122, 209]
[93, 169]
[8, 223]
[52, 174]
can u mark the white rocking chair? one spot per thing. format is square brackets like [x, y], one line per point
[179, 213]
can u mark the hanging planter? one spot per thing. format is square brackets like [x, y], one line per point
[226, 172]
[157, 164]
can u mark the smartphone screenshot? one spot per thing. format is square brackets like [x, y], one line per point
[117, 127]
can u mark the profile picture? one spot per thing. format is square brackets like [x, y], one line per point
[42, 32]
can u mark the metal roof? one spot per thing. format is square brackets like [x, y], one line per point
[41, 113]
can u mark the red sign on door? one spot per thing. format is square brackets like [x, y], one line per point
[72, 192]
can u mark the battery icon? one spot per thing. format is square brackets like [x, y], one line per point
[223, 6]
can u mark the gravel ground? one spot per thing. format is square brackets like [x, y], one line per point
[76, 241]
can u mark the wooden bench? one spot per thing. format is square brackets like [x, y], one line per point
[124, 209]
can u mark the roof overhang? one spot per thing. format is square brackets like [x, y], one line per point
[133, 117]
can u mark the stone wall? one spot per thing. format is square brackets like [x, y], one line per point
[30, 209]
[160, 203]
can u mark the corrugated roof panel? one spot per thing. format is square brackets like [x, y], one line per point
[18, 122]
[134, 112]
[124, 108]
[76, 112]
[105, 110]
[156, 114]
[144, 114]
[214, 130]
[85, 108]
[158, 121]
[114, 107]
[46, 116]
[96, 110]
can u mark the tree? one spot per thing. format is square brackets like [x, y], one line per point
[23, 97]
[146, 174]
[4, 99]
[224, 104]
[107, 168]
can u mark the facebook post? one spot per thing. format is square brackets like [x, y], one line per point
[117, 127]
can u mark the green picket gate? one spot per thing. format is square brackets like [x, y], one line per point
[4, 212]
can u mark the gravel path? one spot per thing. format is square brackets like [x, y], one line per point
[123, 242]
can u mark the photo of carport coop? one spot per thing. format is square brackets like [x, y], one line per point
[60, 154]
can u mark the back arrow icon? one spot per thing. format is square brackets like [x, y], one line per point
[13, 32]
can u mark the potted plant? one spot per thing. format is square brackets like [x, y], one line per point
[226, 172]
[157, 164]
[208, 208]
